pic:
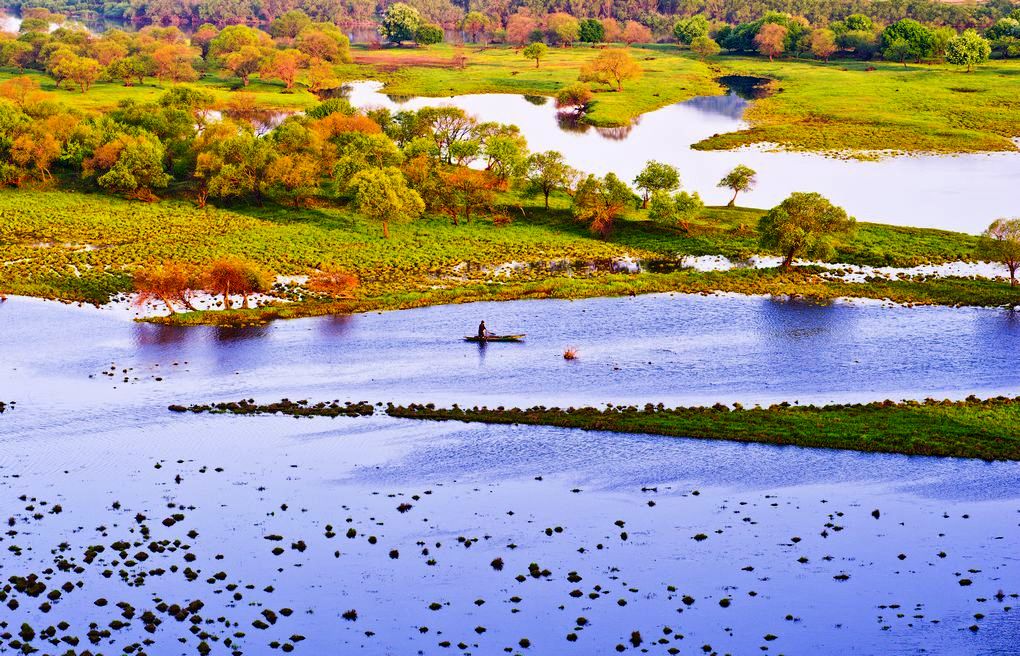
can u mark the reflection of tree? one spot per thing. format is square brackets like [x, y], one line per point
[342, 91]
[570, 122]
[398, 99]
[536, 100]
[618, 133]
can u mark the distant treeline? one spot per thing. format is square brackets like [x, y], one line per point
[658, 15]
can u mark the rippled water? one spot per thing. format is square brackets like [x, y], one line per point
[780, 523]
[961, 192]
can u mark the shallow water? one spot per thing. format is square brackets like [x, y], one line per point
[119, 464]
[955, 192]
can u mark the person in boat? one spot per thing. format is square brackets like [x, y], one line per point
[483, 332]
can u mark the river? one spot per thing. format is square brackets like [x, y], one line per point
[954, 192]
[392, 536]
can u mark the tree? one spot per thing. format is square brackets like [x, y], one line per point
[898, 50]
[771, 40]
[519, 28]
[173, 62]
[245, 62]
[919, 40]
[612, 30]
[535, 51]
[167, 283]
[132, 69]
[548, 172]
[822, 43]
[283, 65]
[599, 201]
[656, 176]
[635, 32]
[610, 67]
[83, 71]
[968, 49]
[704, 47]
[475, 24]
[741, 178]
[590, 30]
[1001, 243]
[804, 224]
[288, 25]
[294, 175]
[382, 194]
[322, 76]
[428, 35]
[400, 23]
[563, 28]
[686, 30]
[235, 38]
[675, 208]
[464, 190]
[575, 97]
[326, 42]
[227, 276]
[131, 164]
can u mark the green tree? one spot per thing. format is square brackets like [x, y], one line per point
[677, 208]
[428, 35]
[535, 51]
[383, 195]
[400, 23]
[1001, 243]
[83, 71]
[804, 224]
[563, 28]
[920, 41]
[704, 47]
[741, 178]
[656, 176]
[898, 50]
[288, 25]
[590, 30]
[598, 202]
[968, 49]
[686, 30]
[130, 164]
[548, 172]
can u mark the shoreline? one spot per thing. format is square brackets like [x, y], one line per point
[985, 429]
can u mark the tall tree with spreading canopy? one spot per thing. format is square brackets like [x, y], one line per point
[804, 224]
[1001, 243]
[704, 47]
[383, 195]
[656, 176]
[771, 40]
[598, 202]
[400, 23]
[168, 283]
[611, 67]
[741, 178]
[968, 49]
[231, 276]
[576, 97]
[536, 51]
[548, 172]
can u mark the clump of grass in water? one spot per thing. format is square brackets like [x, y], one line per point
[570, 353]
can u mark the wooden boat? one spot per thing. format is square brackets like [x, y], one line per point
[494, 338]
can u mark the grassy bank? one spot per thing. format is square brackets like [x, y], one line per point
[83, 247]
[987, 429]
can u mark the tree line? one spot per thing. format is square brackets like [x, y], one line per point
[658, 15]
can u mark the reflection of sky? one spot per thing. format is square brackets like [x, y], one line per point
[964, 192]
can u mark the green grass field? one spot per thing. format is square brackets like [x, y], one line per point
[79, 246]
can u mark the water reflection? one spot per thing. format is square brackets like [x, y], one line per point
[963, 192]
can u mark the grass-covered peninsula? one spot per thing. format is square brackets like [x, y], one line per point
[974, 428]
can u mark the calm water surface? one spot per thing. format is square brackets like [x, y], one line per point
[197, 504]
[962, 192]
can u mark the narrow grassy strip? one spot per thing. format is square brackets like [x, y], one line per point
[974, 428]
[803, 284]
[285, 406]
[985, 429]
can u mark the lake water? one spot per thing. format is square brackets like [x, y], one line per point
[793, 557]
[961, 192]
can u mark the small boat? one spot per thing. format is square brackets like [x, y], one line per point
[494, 338]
